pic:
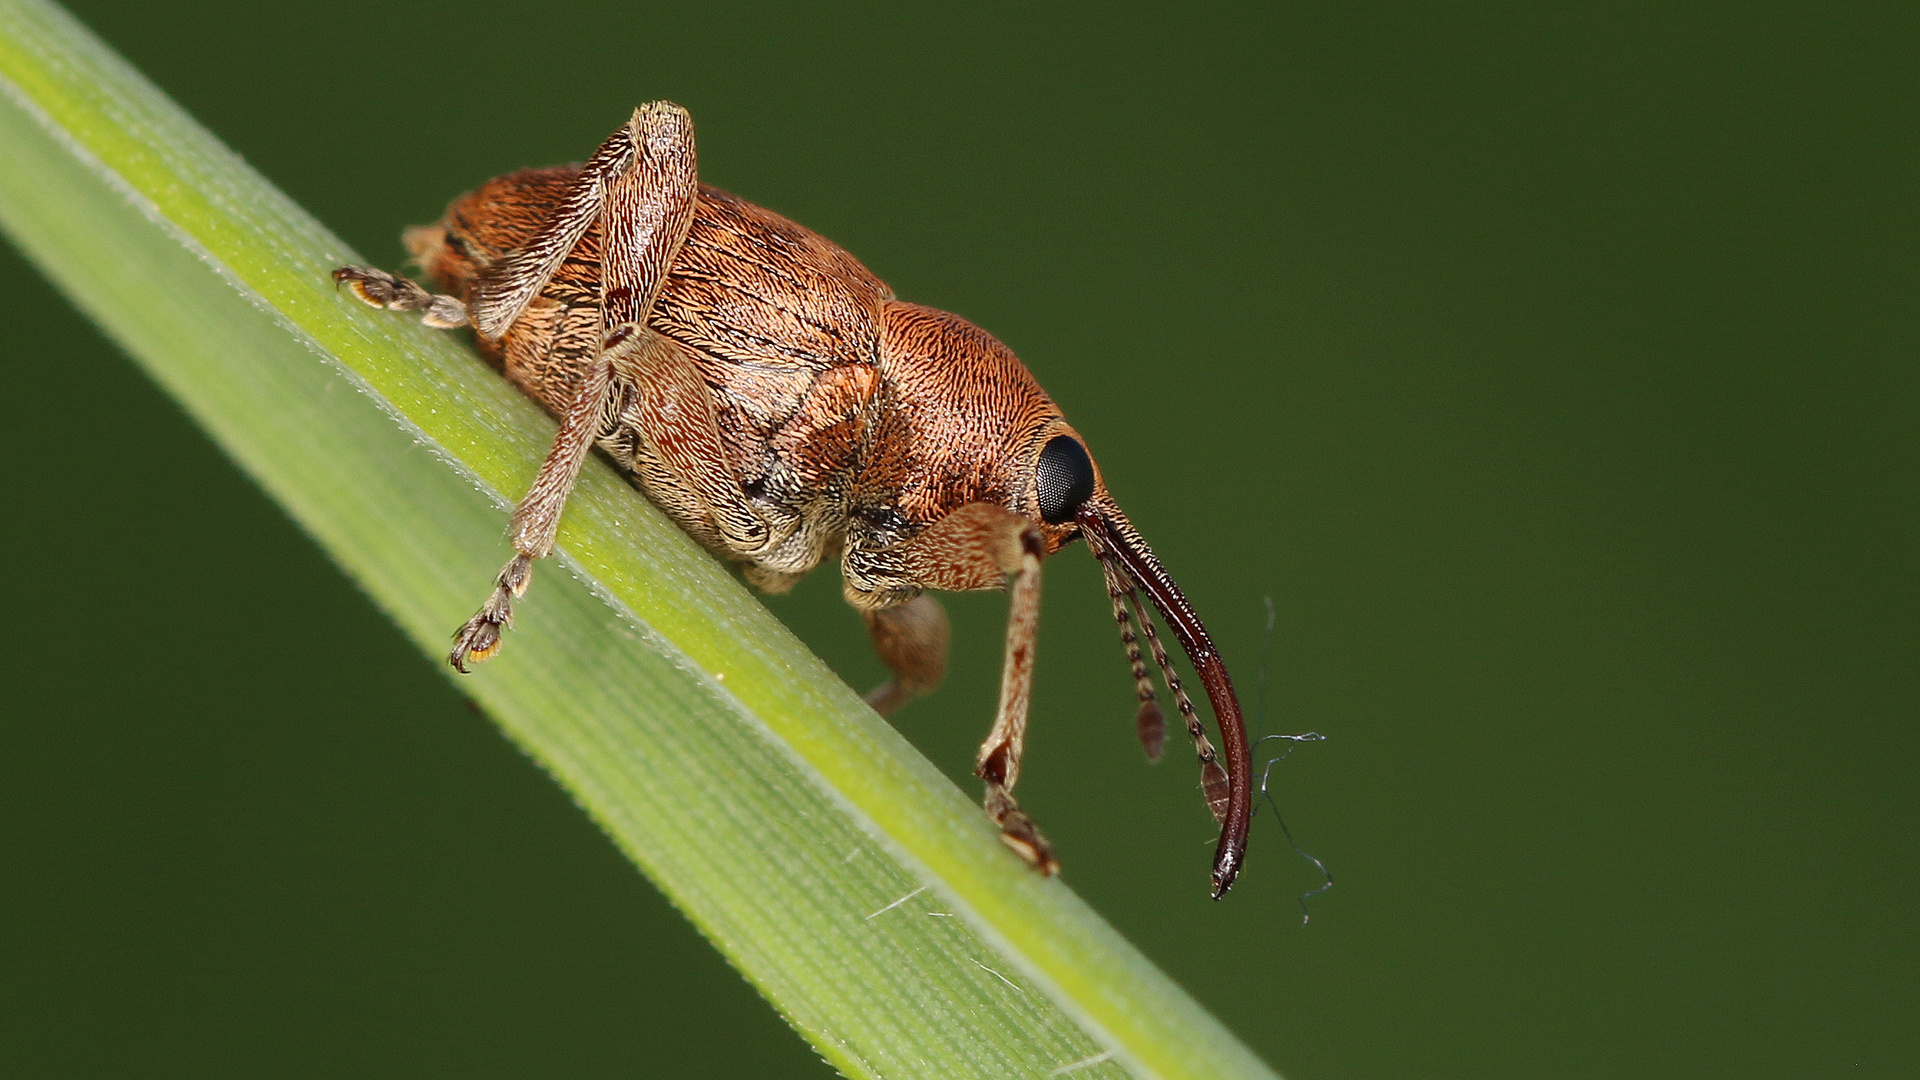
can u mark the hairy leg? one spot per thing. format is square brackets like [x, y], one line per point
[395, 293]
[978, 546]
[911, 639]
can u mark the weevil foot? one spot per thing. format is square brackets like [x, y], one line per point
[1018, 831]
[480, 637]
[377, 288]
[476, 641]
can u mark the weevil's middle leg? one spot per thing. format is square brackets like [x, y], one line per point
[911, 639]
[537, 518]
[395, 293]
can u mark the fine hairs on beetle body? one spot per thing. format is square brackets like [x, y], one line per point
[771, 395]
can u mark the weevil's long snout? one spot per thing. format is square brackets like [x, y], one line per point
[1121, 550]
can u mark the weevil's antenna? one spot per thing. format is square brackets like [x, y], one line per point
[1149, 722]
[1226, 776]
[1266, 771]
[1213, 779]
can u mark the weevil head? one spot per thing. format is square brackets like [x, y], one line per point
[1068, 500]
[966, 423]
[1060, 478]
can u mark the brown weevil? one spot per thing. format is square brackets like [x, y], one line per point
[770, 394]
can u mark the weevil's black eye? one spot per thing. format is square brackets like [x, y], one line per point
[1064, 479]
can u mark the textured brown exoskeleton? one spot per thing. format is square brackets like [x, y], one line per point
[772, 397]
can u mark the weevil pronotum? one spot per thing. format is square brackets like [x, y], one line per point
[771, 395]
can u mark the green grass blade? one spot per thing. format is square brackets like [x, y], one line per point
[856, 887]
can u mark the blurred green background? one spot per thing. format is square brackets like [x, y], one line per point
[1553, 370]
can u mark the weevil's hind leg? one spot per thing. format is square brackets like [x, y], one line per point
[394, 293]
[642, 186]
[911, 639]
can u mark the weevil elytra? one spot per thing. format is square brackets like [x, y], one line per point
[772, 396]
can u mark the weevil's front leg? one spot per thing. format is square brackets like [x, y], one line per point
[978, 546]
[395, 293]
[641, 186]
[999, 760]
